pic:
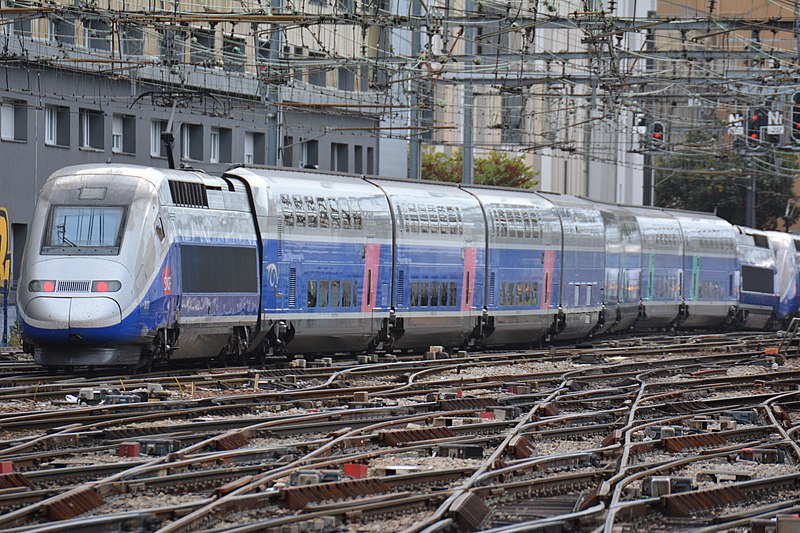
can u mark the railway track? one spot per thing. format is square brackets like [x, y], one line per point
[651, 433]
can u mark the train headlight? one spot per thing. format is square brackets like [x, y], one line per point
[42, 286]
[106, 286]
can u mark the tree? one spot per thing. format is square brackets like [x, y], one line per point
[497, 168]
[701, 178]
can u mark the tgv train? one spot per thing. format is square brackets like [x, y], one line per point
[127, 265]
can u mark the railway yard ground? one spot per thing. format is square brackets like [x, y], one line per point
[653, 433]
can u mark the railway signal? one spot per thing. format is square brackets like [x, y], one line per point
[755, 127]
[658, 133]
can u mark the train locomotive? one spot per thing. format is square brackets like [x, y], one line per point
[128, 265]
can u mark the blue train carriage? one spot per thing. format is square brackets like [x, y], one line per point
[523, 251]
[758, 276]
[786, 248]
[710, 281]
[327, 260]
[623, 268]
[661, 278]
[582, 266]
[438, 281]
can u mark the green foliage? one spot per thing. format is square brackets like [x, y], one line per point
[701, 178]
[498, 168]
[14, 337]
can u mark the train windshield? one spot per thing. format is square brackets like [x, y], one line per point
[87, 230]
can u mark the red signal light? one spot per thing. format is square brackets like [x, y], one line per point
[657, 135]
[754, 135]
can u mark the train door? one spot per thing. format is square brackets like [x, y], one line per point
[369, 291]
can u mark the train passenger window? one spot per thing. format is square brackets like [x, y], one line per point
[423, 219]
[345, 208]
[323, 212]
[518, 299]
[288, 212]
[510, 294]
[730, 285]
[453, 294]
[312, 294]
[589, 294]
[355, 293]
[460, 221]
[322, 295]
[423, 294]
[311, 212]
[434, 294]
[443, 226]
[535, 293]
[412, 216]
[336, 293]
[434, 218]
[335, 221]
[356, 213]
[577, 301]
[443, 293]
[503, 293]
[346, 293]
[502, 223]
[452, 220]
[527, 293]
[414, 294]
[299, 212]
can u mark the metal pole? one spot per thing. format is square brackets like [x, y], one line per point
[415, 150]
[5, 313]
[750, 203]
[649, 179]
[469, 49]
[273, 91]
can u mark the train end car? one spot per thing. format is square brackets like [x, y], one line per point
[786, 248]
[757, 283]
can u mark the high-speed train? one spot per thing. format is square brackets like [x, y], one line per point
[127, 265]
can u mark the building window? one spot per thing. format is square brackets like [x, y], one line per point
[370, 160]
[157, 148]
[263, 51]
[347, 79]
[339, 160]
[254, 147]
[233, 49]
[61, 30]
[358, 159]
[97, 34]
[192, 142]
[123, 134]
[317, 74]
[91, 129]
[56, 125]
[221, 143]
[171, 46]
[311, 154]
[14, 120]
[213, 146]
[132, 40]
[287, 153]
[202, 48]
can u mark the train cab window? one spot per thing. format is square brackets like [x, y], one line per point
[84, 230]
[344, 207]
[299, 212]
[423, 294]
[346, 294]
[335, 220]
[286, 208]
[434, 300]
[323, 213]
[312, 294]
[414, 294]
[311, 212]
[336, 293]
[322, 295]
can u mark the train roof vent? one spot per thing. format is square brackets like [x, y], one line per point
[761, 240]
[186, 194]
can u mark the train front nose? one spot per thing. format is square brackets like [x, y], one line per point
[56, 320]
